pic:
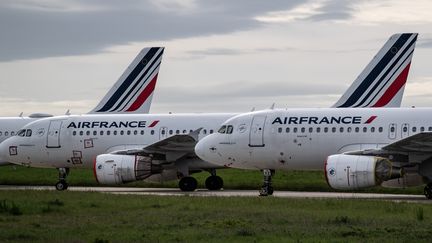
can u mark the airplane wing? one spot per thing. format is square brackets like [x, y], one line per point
[418, 143]
[172, 148]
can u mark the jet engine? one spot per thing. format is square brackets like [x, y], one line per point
[356, 172]
[120, 169]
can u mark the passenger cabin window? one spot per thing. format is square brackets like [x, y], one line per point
[152, 132]
[287, 130]
[211, 131]
[74, 133]
[108, 132]
[12, 133]
[422, 129]
[414, 129]
[6, 133]
[280, 130]
[121, 132]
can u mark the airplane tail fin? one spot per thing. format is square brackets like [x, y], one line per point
[382, 82]
[133, 91]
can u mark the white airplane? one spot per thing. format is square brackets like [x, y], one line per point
[132, 93]
[126, 148]
[357, 148]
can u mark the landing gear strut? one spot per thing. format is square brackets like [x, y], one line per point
[267, 188]
[428, 191]
[188, 184]
[213, 182]
[62, 185]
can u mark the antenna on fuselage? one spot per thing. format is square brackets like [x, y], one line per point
[67, 113]
[272, 106]
[21, 114]
[253, 109]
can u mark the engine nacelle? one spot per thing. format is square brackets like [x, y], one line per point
[120, 169]
[356, 172]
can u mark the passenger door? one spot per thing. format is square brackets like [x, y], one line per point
[53, 134]
[256, 134]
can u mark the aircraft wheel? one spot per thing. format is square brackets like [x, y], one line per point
[188, 184]
[214, 183]
[266, 191]
[428, 191]
[61, 185]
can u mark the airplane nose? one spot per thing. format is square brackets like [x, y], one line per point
[205, 150]
[4, 151]
[200, 149]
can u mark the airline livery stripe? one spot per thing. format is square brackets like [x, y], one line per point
[154, 123]
[156, 62]
[391, 77]
[386, 73]
[123, 87]
[136, 90]
[394, 88]
[144, 95]
[371, 119]
[376, 71]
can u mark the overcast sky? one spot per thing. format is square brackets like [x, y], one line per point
[220, 56]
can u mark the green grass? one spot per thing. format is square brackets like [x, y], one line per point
[233, 179]
[47, 216]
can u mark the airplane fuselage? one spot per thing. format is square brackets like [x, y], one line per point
[302, 139]
[75, 141]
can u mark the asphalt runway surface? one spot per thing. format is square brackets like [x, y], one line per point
[231, 193]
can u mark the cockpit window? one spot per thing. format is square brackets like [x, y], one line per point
[229, 129]
[222, 129]
[28, 133]
[21, 133]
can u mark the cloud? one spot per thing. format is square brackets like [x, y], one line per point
[33, 29]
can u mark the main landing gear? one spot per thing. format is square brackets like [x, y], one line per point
[428, 191]
[62, 185]
[267, 188]
[212, 183]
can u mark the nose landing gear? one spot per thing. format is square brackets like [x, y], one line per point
[62, 185]
[428, 191]
[213, 182]
[267, 188]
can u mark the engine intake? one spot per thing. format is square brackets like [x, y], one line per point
[356, 172]
[120, 169]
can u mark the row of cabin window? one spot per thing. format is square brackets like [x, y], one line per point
[326, 129]
[135, 132]
[350, 129]
[7, 133]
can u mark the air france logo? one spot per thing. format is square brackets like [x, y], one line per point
[113, 124]
[332, 172]
[293, 120]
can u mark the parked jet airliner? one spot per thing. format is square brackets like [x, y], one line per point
[356, 148]
[132, 93]
[126, 148]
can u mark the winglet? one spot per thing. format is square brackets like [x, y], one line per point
[382, 82]
[194, 134]
[133, 91]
